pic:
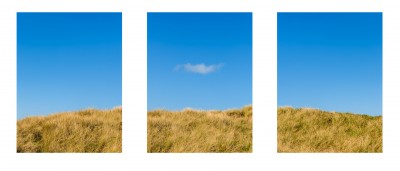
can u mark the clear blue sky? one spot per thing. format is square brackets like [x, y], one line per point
[68, 61]
[199, 60]
[330, 61]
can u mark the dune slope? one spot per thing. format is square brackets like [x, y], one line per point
[83, 131]
[199, 131]
[312, 130]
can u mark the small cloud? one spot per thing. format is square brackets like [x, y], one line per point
[199, 68]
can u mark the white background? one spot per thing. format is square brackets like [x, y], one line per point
[264, 156]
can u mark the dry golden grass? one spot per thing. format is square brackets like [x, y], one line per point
[199, 131]
[312, 130]
[89, 131]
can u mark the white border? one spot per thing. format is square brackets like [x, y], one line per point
[264, 156]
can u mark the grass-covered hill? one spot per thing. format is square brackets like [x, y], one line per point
[199, 131]
[312, 130]
[83, 131]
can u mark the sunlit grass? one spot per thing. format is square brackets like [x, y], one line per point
[312, 130]
[200, 131]
[88, 131]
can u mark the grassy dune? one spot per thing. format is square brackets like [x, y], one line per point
[199, 131]
[312, 130]
[88, 131]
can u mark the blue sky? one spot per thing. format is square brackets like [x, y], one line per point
[199, 60]
[330, 61]
[68, 61]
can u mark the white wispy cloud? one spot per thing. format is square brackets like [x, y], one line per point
[199, 68]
